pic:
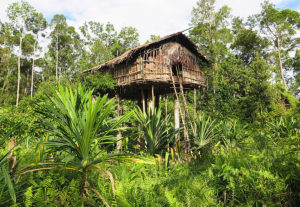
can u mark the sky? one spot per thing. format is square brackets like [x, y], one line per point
[157, 17]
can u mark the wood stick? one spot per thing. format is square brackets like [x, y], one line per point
[102, 199]
[143, 100]
[177, 100]
[195, 104]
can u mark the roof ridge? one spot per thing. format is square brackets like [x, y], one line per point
[129, 53]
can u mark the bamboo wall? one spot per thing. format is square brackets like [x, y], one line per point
[155, 65]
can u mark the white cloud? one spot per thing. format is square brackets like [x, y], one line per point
[159, 17]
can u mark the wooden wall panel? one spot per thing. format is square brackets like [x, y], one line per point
[155, 65]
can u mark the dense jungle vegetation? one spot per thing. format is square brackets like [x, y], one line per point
[58, 144]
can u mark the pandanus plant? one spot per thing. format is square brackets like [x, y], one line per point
[4, 173]
[79, 124]
[157, 131]
[204, 132]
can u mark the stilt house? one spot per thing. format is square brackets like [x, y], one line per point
[156, 68]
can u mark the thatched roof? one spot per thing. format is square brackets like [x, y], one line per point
[127, 56]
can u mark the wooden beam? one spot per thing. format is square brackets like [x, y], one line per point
[176, 117]
[143, 100]
[195, 104]
[166, 108]
[152, 97]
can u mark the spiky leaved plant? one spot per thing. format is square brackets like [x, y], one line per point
[231, 132]
[79, 125]
[204, 132]
[157, 131]
[4, 136]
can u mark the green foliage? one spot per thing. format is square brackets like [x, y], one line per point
[28, 197]
[9, 183]
[74, 122]
[157, 131]
[247, 132]
[181, 185]
[205, 131]
[240, 180]
[63, 39]
[230, 133]
[102, 84]
[4, 136]
[284, 127]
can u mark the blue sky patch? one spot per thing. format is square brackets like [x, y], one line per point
[290, 4]
[68, 15]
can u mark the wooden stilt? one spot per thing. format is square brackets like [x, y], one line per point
[138, 139]
[153, 97]
[143, 100]
[185, 133]
[157, 100]
[166, 105]
[166, 113]
[195, 104]
[149, 100]
[176, 116]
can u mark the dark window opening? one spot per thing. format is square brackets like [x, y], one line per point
[177, 69]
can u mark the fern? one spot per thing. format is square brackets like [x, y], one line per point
[28, 197]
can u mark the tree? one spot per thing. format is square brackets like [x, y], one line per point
[246, 89]
[154, 37]
[128, 38]
[95, 50]
[59, 25]
[211, 33]
[247, 43]
[64, 46]
[280, 27]
[103, 42]
[22, 19]
[296, 71]
[6, 56]
[38, 28]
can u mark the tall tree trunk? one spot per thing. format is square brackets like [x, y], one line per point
[19, 70]
[32, 70]
[280, 62]
[26, 84]
[56, 62]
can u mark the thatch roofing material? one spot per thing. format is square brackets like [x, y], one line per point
[176, 37]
